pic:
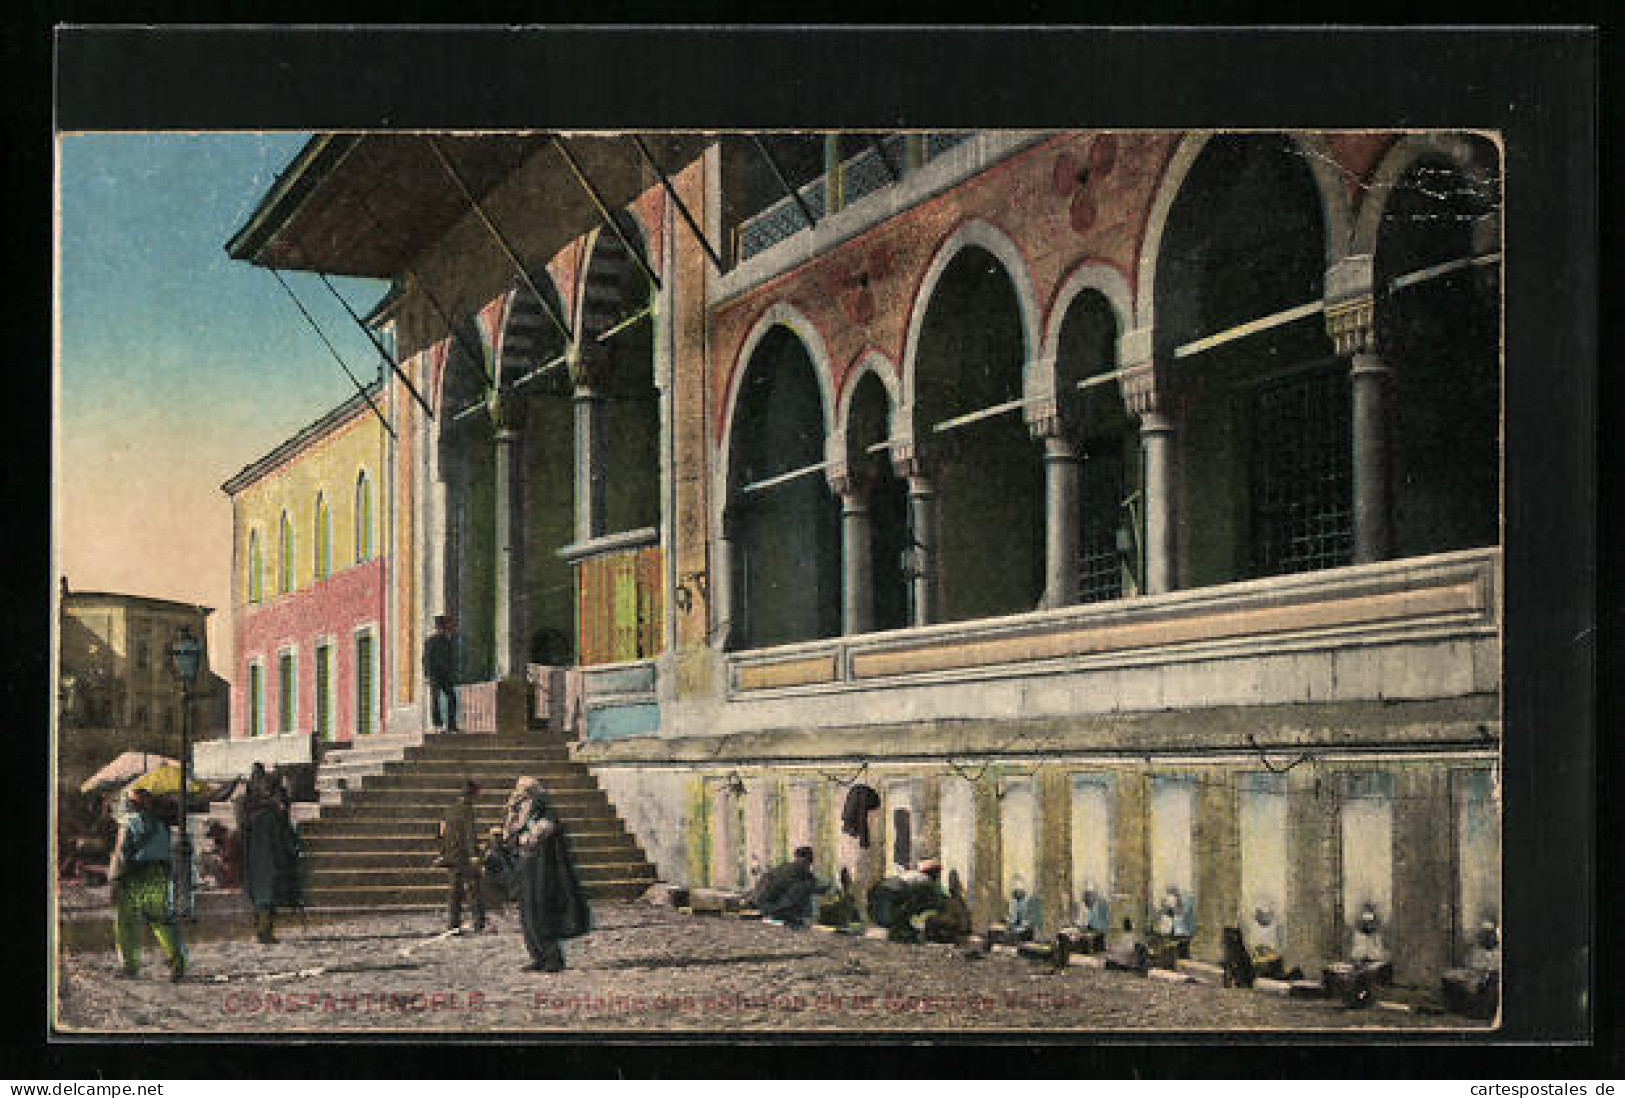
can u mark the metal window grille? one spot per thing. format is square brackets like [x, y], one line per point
[938, 143]
[781, 220]
[1101, 503]
[862, 175]
[865, 173]
[1302, 477]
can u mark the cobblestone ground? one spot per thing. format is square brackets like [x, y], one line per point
[647, 968]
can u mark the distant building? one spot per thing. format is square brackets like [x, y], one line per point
[116, 690]
[307, 581]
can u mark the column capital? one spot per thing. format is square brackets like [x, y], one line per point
[1043, 416]
[507, 413]
[1351, 324]
[1350, 278]
[1147, 389]
[848, 481]
[908, 461]
[588, 363]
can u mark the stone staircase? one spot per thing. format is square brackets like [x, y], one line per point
[374, 843]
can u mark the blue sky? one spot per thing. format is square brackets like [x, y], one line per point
[176, 366]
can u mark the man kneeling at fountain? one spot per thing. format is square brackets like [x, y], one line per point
[786, 891]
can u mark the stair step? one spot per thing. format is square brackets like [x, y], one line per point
[450, 788]
[539, 750]
[433, 877]
[374, 842]
[610, 833]
[417, 857]
[432, 813]
[435, 895]
[485, 772]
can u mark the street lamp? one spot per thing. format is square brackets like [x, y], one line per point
[185, 655]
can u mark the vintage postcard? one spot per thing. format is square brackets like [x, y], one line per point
[671, 581]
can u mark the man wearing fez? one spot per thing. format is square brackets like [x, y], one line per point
[460, 855]
[439, 668]
[786, 891]
[140, 876]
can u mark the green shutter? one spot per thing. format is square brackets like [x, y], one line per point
[285, 691]
[363, 684]
[256, 696]
[324, 676]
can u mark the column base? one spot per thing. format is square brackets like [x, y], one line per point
[512, 706]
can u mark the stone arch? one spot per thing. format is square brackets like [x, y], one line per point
[456, 374]
[1095, 275]
[871, 362]
[874, 501]
[606, 267]
[528, 336]
[1336, 218]
[779, 314]
[991, 239]
[781, 551]
[1435, 203]
[1473, 155]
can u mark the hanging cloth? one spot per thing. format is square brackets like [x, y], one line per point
[860, 801]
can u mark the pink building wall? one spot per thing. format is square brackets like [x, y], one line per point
[332, 610]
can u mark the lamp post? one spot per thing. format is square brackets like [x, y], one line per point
[185, 654]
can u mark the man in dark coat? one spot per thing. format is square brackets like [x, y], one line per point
[786, 891]
[552, 906]
[950, 924]
[460, 855]
[270, 851]
[440, 669]
[902, 904]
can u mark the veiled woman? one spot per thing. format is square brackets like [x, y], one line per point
[271, 851]
[552, 906]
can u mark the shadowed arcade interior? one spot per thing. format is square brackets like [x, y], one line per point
[990, 478]
[788, 534]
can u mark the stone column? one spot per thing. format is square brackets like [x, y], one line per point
[1351, 324]
[508, 415]
[923, 519]
[834, 184]
[1062, 539]
[857, 554]
[1148, 393]
[590, 483]
[724, 602]
[913, 152]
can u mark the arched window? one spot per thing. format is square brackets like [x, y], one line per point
[256, 569]
[1265, 444]
[787, 531]
[322, 538]
[363, 518]
[989, 474]
[284, 565]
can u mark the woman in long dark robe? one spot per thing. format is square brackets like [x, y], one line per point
[552, 906]
[270, 852]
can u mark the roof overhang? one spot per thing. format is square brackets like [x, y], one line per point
[367, 205]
